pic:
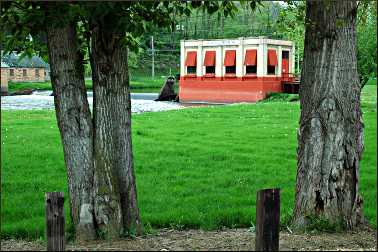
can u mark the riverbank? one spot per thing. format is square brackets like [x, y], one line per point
[137, 85]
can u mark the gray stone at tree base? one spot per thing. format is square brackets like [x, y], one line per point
[167, 92]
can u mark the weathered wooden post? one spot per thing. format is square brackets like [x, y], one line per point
[267, 220]
[55, 221]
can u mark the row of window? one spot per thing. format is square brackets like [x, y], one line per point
[24, 72]
[250, 61]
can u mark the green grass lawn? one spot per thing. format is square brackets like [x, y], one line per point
[372, 81]
[195, 168]
[137, 84]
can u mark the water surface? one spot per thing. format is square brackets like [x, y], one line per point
[140, 102]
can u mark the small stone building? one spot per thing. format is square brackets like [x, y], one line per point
[4, 77]
[26, 69]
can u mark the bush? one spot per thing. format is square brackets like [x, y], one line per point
[280, 97]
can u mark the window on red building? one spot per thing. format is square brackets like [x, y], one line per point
[250, 61]
[251, 69]
[285, 64]
[285, 54]
[210, 69]
[191, 62]
[209, 62]
[272, 61]
[230, 61]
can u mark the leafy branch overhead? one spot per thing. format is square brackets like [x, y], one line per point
[23, 19]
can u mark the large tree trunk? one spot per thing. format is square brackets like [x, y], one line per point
[74, 119]
[116, 197]
[330, 137]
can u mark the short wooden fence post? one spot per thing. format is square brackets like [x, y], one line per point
[267, 220]
[55, 221]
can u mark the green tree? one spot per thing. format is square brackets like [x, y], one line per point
[97, 147]
[330, 135]
[291, 25]
[367, 41]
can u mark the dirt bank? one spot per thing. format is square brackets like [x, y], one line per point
[230, 239]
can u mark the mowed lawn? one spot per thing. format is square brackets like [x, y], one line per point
[195, 167]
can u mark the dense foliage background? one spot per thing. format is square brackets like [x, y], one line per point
[271, 19]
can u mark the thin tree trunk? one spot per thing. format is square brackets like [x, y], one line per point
[252, 22]
[74, 119]
[330, 137]
[174, 28]
[245, 14]
[222, 25]
[208, 33]
[186, 27]
[195, 24]
[203, 22]
[116, 197]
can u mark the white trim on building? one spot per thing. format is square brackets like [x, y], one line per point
[261, 44]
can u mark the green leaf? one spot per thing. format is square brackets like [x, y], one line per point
[252, 5]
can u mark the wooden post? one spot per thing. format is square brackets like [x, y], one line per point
[267, 220]
[55, 221]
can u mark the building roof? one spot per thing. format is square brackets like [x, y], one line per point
[235, 41]
[3, 64]
[13, 60]
[222, 39]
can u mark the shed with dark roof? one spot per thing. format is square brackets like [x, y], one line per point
[26, 69]
[4, 76]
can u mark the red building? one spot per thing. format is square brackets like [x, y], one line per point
[234, 70]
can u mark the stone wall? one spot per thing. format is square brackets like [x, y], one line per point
[26, 74]
[4, 79]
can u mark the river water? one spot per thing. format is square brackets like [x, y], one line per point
[140, 102]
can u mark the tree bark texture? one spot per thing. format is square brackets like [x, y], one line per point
[116, 196]
[74, 121]
[330, 137]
